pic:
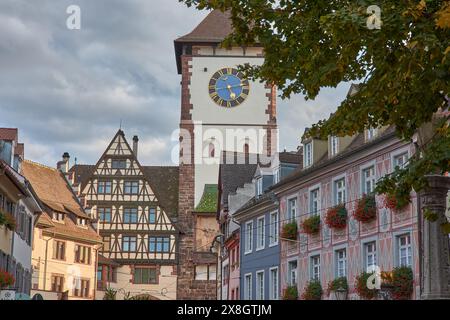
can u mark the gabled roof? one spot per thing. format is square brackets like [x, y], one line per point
[213, 29]
[233, 176]
[9, 134]
[56, 194]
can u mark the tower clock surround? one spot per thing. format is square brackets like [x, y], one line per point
[228, 87]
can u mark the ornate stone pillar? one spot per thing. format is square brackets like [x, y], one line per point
[435, 243]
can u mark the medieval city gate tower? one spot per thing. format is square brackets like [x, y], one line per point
[220, 111]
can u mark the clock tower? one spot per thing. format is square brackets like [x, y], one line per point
[221, 110]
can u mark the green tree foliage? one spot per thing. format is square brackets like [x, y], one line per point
[403, 66]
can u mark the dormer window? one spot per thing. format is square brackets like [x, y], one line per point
[58, 216]
[308, 155]
[371, 133]
[334, 145]
[259, 186]
[81, 222]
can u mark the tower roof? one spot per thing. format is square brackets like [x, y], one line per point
[213, 29]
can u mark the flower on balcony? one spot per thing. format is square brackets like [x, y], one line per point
[338, 283]
[337, 217]
[362, 288]
[290, 293]
[6, 279]
[289, 231]
[313, 291]
[7, 220]
[396, 203]
[366, 209]
[311, 225]
[402, 282]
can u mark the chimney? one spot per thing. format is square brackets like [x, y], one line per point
[63, 165]
[135, 145]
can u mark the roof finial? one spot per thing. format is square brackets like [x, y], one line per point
[120, 126]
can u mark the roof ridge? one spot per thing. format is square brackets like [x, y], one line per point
[40, 165]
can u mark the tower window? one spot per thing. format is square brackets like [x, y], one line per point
[212, 150]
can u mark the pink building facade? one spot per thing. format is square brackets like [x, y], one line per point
[343, 176]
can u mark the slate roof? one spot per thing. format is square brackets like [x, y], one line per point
[294, 157]
[56, 194]
[233, 176]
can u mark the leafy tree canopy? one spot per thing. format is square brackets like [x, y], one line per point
[403, 66]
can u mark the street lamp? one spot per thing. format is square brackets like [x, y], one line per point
[340, 293]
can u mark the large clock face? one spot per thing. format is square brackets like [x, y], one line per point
[228, 87]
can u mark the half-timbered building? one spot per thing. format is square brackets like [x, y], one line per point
[135, 208]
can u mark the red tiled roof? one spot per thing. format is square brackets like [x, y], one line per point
[10, 134]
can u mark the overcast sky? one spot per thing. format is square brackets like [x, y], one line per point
[68, 90]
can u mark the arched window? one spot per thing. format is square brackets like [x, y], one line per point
[212, 150]
[246, 149]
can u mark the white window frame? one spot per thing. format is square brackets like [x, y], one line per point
[371, 133]
[374, 254]
[248, 237]
[259, 185]
[260, 233]
[310, 191]
[308, 161]
[335, 190]
[258, 285]
[334, 145]
[289, 216]
[398, 248]
[362, 179]
[274, 228]
[395, 154]
[276, 175]
[248, 286]
[312, 267]
[338, 259]
[273, 290]
[292, 272]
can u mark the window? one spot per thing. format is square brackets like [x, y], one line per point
[104, 187]
[129, 243]
[401, 160]
[260, 233]
[152, 215]
[315, 268]
[259, 186]
[57, 216]
[334, 142]
[371, 133]
[249, 237]
[159, 244]
[119, 164]
[104, 215]
[339, 191]
[276, 176]
[292, 273]
[292, 210]
[130, 215]
[273, 284]
[106, 243]
[308, 154]
[368, 180]
[57, 283]
[205, 272]
[260, 285]
[81, 289]
[248, 287]
[404, 250]
[370, 256]
[82, 254]
[145, 276]
[81, 222]
[341, 263]
[273, 229]
[212, 150]
[59, 250]
[314, 201]
[131, 187]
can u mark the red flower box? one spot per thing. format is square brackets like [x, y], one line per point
[391, 202]
[6, 279]
[337, 217]
[311, 225]
[366, 209]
